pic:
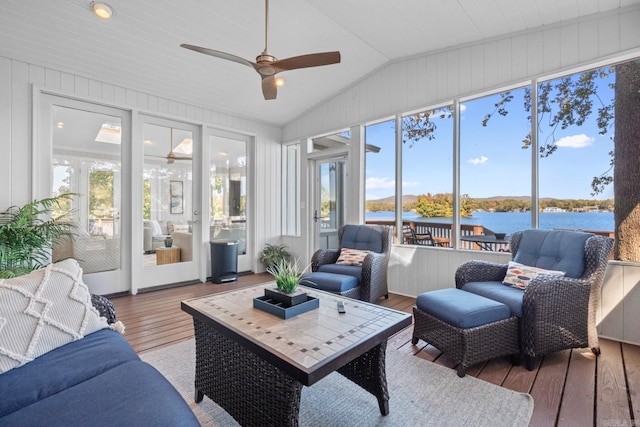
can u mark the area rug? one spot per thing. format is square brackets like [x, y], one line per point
[421, 393]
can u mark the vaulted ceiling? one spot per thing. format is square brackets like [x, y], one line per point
[139, 47]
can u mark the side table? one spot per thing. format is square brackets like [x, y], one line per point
[167, 255]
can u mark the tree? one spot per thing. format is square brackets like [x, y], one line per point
[569, 101]
[441, 205]
[626, 176]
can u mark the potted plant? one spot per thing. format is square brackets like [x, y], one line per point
[27, 234]
[287, 277]
[273, 254]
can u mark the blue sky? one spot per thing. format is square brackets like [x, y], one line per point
[492, 160]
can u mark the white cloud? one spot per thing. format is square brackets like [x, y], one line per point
[478, 160]
[409, 184]
[463, 107]
[575, 141]
[376, 183]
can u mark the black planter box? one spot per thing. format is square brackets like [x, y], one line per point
[274, 307]
[287, 300]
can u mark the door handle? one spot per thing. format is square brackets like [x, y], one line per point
[315, 216]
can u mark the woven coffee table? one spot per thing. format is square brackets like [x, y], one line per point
[254, 364]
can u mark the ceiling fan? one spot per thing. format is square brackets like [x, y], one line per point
[268, 65]
[172, 157]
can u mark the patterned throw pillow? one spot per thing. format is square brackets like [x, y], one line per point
[43, 310]
[352, 257]
[520, 275]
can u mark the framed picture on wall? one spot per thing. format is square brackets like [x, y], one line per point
[175, 188]
[175, 193]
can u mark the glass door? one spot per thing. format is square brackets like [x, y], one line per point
[329, 208]
[84, 153]
[229, 193]
[171, 241]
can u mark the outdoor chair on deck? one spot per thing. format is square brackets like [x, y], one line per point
[556, 306]
[363, 254]
[411, 238]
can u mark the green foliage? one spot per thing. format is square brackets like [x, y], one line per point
[287, 275]
[101, 191]
[274, 254]
[146, 199]
[28, 233]
[440, 205]
[562, 103]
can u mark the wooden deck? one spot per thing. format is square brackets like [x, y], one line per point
[570, 388]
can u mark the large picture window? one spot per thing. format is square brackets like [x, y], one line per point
[380, 172]
[427, 175]
[495, 170]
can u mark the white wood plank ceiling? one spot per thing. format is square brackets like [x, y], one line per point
[139, 47]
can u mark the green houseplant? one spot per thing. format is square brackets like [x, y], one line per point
[273, 254]
[27, 234]
[287, 275]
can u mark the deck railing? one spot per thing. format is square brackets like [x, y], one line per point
[444, 232]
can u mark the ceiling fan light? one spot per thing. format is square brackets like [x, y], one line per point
[279, 81]
[102, 10]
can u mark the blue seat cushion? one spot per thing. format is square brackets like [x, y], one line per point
[329, 282]
[348, 270]
[553, 250]
[462, 309]
[62, 368]
[497, 291]
[131, 394]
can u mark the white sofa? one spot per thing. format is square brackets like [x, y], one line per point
[93, 253]
[155, 233]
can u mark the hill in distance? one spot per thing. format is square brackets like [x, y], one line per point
[410, 198]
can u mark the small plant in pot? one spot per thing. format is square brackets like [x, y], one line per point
[273, 254]
[287, 275]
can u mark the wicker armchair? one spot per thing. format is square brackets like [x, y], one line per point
[555, 312]
[372, 275]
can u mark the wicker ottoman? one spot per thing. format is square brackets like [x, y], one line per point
[468, 328]
[341, 284]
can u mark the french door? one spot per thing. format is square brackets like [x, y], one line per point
[328, 201]
[229, 192]
[82, 148]
[170, 202]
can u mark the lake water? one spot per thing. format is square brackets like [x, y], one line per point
[509, 222]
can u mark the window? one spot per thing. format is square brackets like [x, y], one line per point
[380, 172]
[427, 172]
[495, 170]
[291, 189]
[575, 136]
[228, 187]
[86, 161]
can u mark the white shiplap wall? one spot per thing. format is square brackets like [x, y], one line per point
[469, 70]
[17, 82]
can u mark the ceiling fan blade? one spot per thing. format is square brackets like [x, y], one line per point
[269, 88]
[222, 55]
[307, 61]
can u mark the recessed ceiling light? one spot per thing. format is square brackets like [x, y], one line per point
[102, 10]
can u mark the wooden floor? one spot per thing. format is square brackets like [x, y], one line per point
[570, 388]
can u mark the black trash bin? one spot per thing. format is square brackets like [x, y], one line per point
[224, 260]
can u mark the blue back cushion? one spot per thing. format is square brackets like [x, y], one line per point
[553, 250]
[361, 237]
